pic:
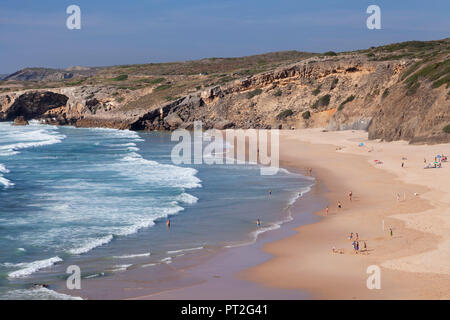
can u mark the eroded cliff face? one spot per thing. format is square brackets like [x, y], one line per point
[349, 92]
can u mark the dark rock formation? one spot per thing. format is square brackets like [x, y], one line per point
[20, 121]
[33, 104]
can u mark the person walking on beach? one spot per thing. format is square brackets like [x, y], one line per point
[258, 223]
[339, 205]
[168, 223]
[350, 237]
[326, 211]
[350, 195]
[270, 192]
[390, 231]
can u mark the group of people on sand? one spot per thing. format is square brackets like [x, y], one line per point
[438, 160]
[355, 243]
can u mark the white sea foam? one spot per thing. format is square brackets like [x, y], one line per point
[149, 265]
[30, 139]
[155, 172]
[167, 260]
[5, 182]
[129, 256]
[121, 267]
[91, 244]
[3, 168]
[40, 293]
[95, 275]
[185, 250]
[29, 268]
[187, 198]
[298, 195]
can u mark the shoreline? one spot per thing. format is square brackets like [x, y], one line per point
[295, 260]
[302, 259]
[203, 275]
[305, 260]
[183, 272]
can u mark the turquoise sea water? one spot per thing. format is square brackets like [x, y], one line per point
[99, 199]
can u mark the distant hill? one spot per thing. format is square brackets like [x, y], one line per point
[244, 65]
[47, 74]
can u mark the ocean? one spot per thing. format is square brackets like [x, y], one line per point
[100, 198]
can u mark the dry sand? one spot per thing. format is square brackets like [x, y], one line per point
[414, 262]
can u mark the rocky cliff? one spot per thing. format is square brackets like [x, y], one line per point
[393, 96]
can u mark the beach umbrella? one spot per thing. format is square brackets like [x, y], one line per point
[361, 144]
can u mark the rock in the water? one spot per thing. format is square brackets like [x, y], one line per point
[20, 121]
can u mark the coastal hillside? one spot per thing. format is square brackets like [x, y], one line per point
[395, 92]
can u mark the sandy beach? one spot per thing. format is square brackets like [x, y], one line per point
[297, 261]
[414, 202]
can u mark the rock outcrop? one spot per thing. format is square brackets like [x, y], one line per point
[32, 105]
[340, 93]
[20, 121]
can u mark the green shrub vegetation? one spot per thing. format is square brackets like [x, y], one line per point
[446, 129]
[385, 93]
[75, 83]
[438, 72]
[254, 93]
[413, 89]
[350, 98]
[440, 82]
[284, 114]
[306, 115]
[330, 53]
[317, 90]
[322, 102]
[152, 81]
[163, 87]
[122, 77]
[278, 93]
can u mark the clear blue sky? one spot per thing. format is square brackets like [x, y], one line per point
[34, 33]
